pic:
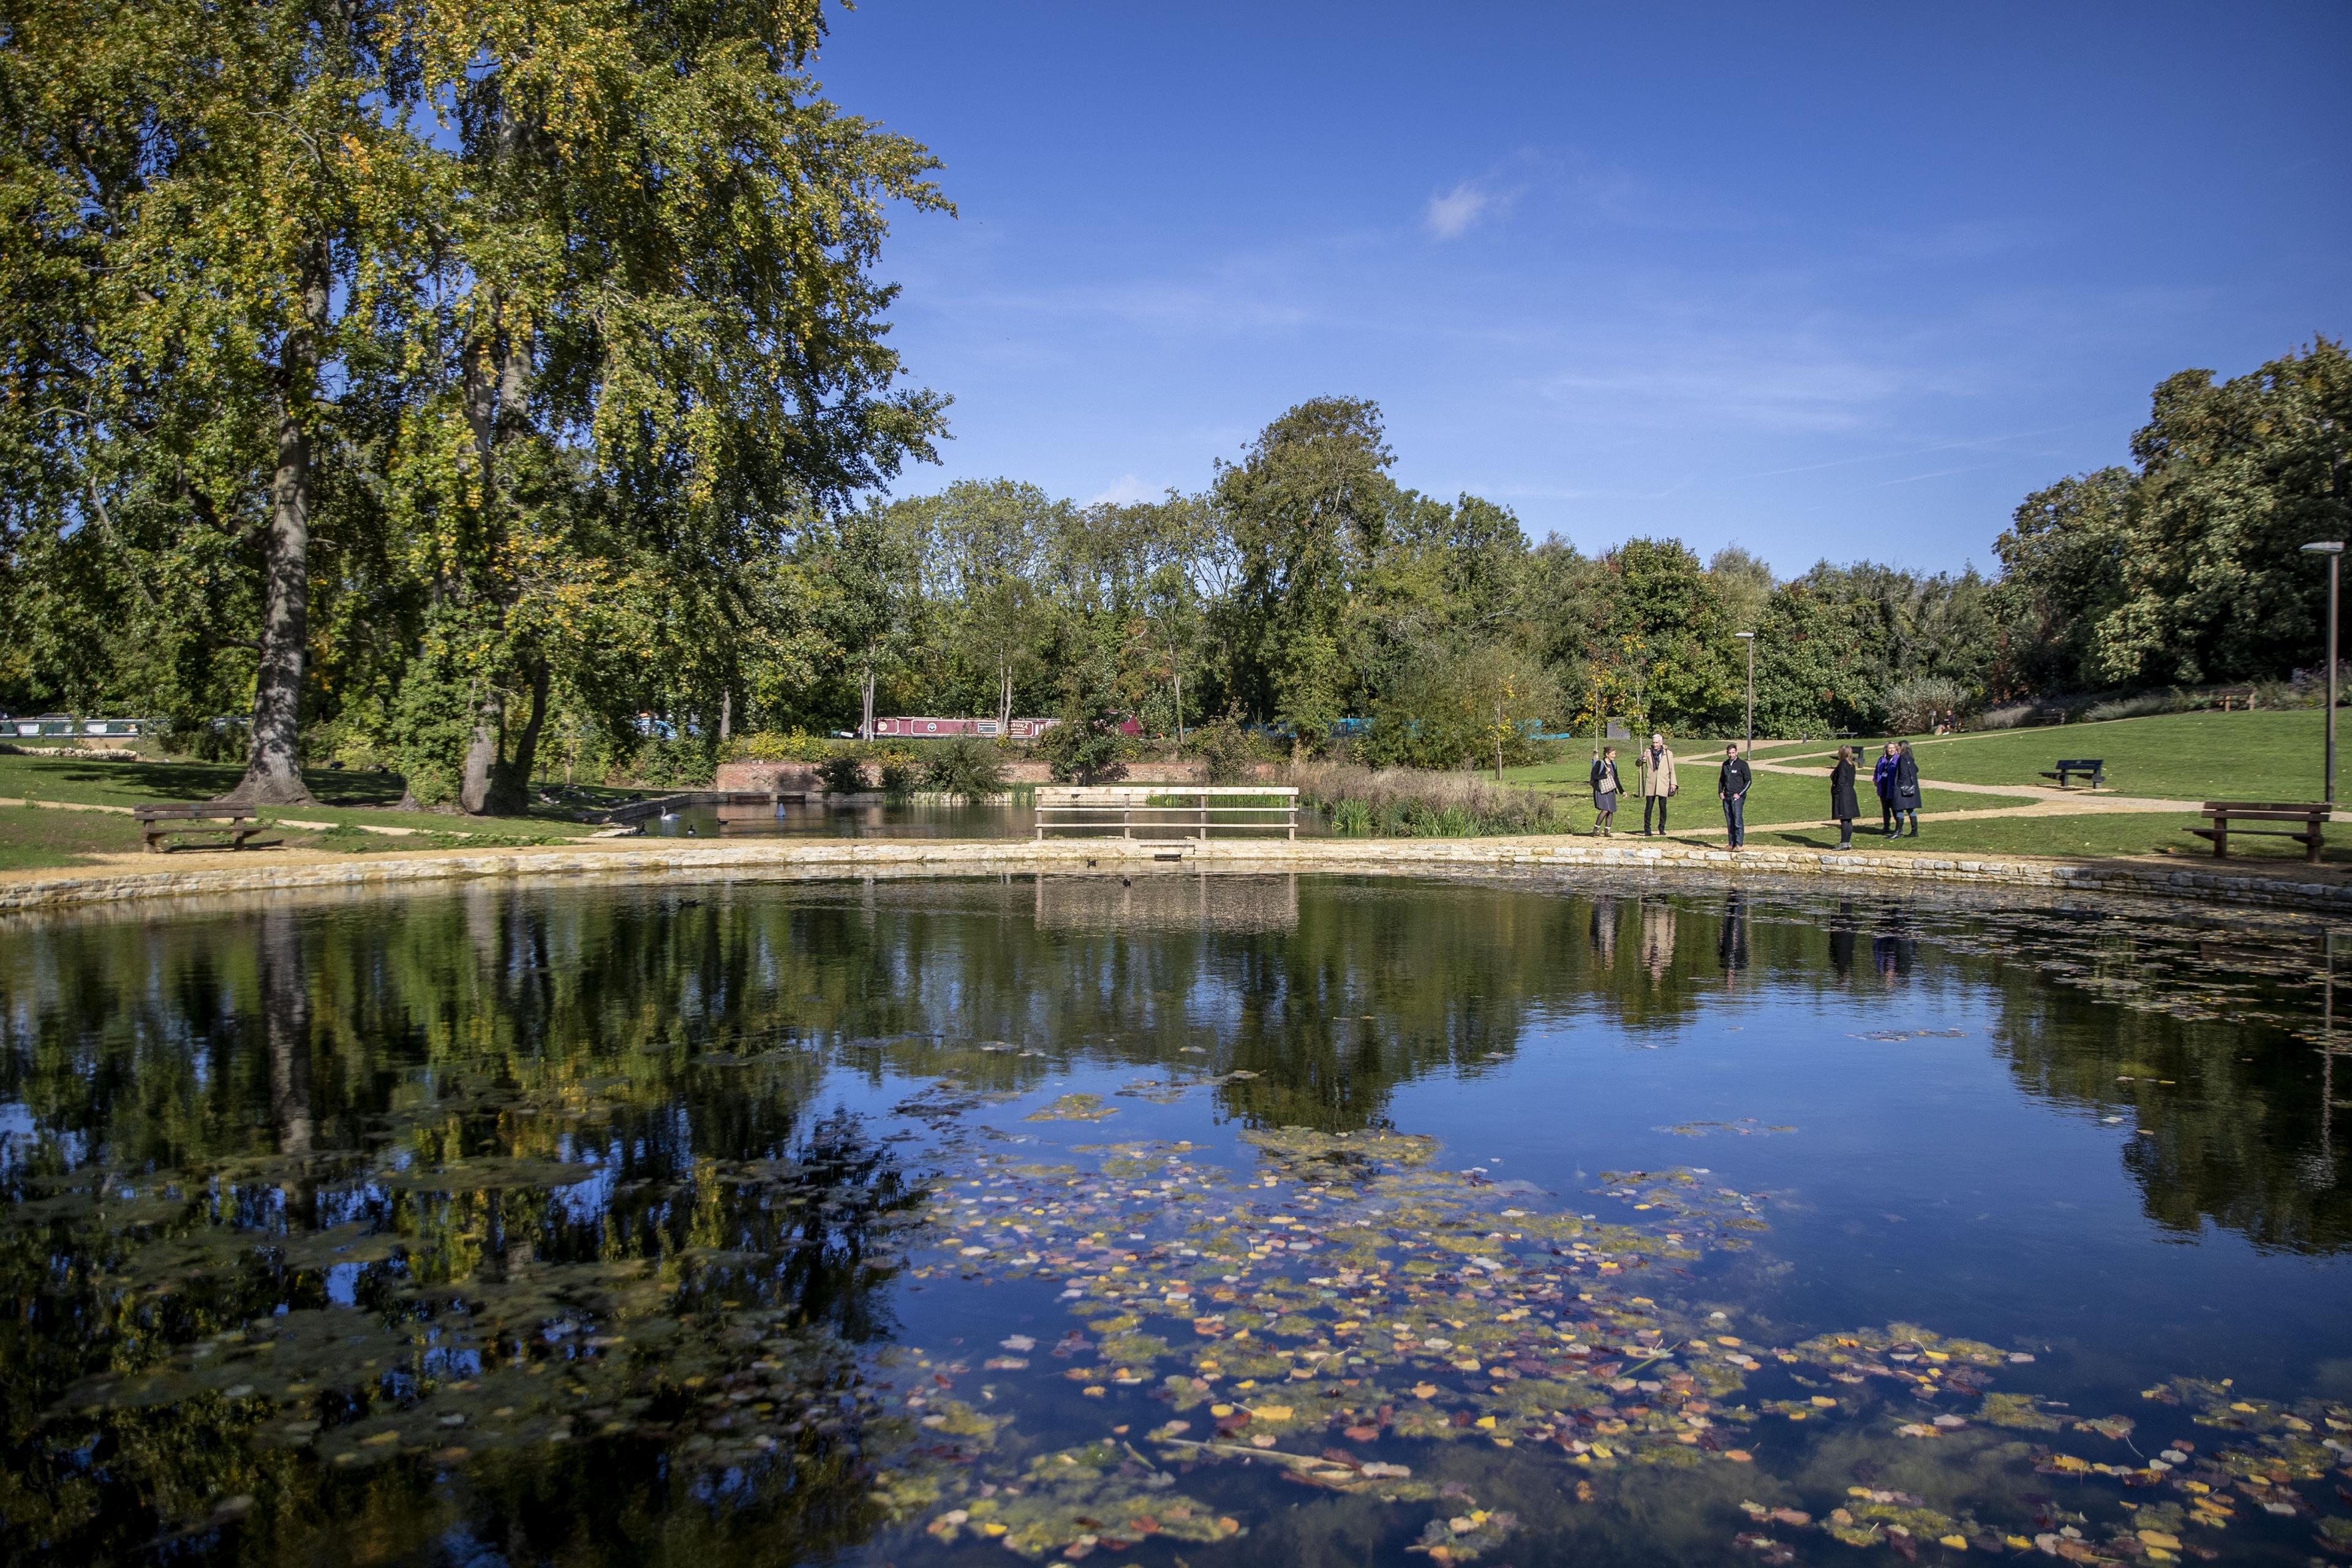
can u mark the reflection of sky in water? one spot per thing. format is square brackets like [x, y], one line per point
[342, 1283]
[1991, 1182]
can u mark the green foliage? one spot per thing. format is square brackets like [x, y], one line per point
[1085, 746]
[769, 746]
[844, 772]
[551, 327]
[2188, 568]
[895, 771]
[1307, 506]
[1477, 706]
[1914, 707]
[1408, 804]
[1227, 753]
[967, 767]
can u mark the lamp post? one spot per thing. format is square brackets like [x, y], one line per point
[1749, 639]
[2334, 550]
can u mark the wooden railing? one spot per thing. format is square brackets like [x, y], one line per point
[1184, 808]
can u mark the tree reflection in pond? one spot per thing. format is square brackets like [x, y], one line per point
[529, 1222]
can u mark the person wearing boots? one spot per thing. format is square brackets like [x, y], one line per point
[1881, 778]
[1906, 789]
[1732, 787]
[1605, 790]
[1656, 766]
[1843, 805]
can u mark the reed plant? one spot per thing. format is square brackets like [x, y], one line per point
[1412, 803]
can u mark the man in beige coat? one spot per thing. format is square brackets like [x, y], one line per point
[1656, 765]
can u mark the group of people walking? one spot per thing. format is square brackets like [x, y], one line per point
[1895, 776]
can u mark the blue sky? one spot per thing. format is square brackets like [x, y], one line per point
[1822, 281]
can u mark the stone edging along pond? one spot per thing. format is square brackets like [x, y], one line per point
[950, 856]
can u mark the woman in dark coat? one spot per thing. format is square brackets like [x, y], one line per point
[1882, 779]
[1906, 790]
[1605, 786]
[1842, 801]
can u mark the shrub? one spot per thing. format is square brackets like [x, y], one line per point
[2007, 716]
[1086, 747]
[1403, 803]
[844, 772]
[2135, 707]
[1225, 753]
[966, 767]
[769, 746]
[1914, 707]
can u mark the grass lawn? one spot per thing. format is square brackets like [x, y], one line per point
[2088, 835]
[34, 836]
[1774, 797]
[2182, 757]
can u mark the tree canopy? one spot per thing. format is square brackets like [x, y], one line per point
[412, 381]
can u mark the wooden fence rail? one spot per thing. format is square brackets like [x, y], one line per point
[1185, 807]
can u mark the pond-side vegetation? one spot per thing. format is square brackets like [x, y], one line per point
[1180, 1218]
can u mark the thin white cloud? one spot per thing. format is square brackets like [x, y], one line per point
[1125, 488]
[1452, 213]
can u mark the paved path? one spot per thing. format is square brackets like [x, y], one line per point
[2041, 800]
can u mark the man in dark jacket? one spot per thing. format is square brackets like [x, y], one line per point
[1731, 788]
[1883, 777]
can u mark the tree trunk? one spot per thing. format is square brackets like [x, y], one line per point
[273, 757]
[475, 786]
[286, 1031]
[1178, 671]
[509, 793]
[866, 725]
[495, 369]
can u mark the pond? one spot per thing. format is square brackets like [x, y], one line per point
[1178, 1220]
[934, 819]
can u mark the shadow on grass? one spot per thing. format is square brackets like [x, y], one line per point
[203, 781]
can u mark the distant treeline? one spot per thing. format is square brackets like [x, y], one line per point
[1302, 585]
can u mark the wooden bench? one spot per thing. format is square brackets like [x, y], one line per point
[157, 823]
[2313, 819]
[2092, 768]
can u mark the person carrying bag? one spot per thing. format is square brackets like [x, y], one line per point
[1605, 790]
[1656, 766]
[1906, 790]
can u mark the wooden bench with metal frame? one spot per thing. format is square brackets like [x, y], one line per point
[2092, 766]
[2311, 835]
[157, 823]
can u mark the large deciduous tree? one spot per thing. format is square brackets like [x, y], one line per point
[1308, 503]
[212, 215]
[666, 261]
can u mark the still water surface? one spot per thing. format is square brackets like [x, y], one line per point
[1200, 1219]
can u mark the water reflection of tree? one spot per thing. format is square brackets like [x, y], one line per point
[2230, 1139]
[277, 1056]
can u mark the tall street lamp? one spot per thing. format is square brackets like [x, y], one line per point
[1749, 639]
[2334, 550]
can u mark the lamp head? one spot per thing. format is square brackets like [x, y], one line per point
[2324, 547]
[1750, 637]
